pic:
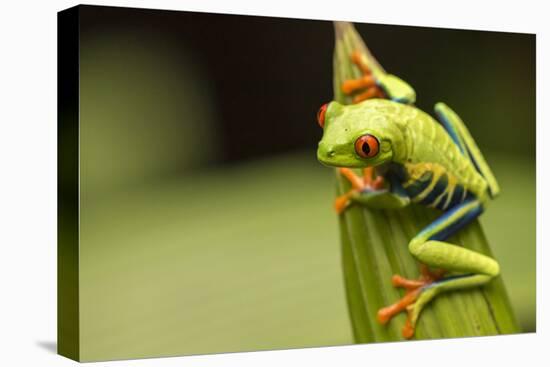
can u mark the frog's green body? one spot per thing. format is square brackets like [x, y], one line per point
[422, 161]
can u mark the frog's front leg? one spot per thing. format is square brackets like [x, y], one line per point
[474, 269]
[368, 191]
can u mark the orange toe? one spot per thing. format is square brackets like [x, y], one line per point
[372, 92]
[341, 203]
[386, 313]
[399, 281]
[356, 57]
[408, 329]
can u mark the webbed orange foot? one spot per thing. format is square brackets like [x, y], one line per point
[358, 184]
[413, 288]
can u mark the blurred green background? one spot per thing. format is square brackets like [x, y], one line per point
[207, 223]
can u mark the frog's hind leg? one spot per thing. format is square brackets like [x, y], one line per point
[377, 83]
[469, 268]
[466, 143]
[367, 82]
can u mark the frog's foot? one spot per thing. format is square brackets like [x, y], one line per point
[358, 184]
[417, 294]
[366, 82]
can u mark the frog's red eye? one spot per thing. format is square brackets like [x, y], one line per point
[367, 146]
[321, 115]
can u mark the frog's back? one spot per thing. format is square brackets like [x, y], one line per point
[437, 173]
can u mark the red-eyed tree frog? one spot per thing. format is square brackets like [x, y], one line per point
[408, 157]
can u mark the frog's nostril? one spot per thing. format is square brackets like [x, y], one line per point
[326, 150]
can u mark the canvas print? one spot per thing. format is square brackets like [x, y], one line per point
[237, 183]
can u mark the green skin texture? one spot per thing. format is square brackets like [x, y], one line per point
[412, 140]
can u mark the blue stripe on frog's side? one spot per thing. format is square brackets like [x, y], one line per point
[459, 196]
[440, 187]
[438, 197]
[418, 186]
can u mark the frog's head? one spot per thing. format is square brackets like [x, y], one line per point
[359, 135]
